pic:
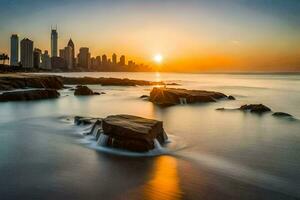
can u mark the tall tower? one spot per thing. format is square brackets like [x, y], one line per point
[14, 50]
[54, 41]
[122, 60]
[114, 59]
[71, 44]
[27, 53]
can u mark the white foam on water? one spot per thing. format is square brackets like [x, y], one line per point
[182, 100]
[95, 130]
[102, 140]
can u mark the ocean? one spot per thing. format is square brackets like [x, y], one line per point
[212, 154]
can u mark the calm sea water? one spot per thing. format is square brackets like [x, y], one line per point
[215, 155]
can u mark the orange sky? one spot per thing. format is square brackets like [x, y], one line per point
[233, 35]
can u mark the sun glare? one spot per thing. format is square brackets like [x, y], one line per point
[158, 58]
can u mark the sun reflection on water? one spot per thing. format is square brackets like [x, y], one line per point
[164, 184]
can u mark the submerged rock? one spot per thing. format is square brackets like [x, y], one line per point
[281, 114]
[82, 90]
[255, 108]
[28, 95]
[173, 96]
[231, 97]
[144, 96]
[131, 133]
[78, 120]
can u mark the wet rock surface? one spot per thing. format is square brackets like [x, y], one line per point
[282, 114]
[22, 81]
[231, 97]
[107, 81]
[28, 95]
[173, 96]
[255, 108]
[82, 90]
[132, 133]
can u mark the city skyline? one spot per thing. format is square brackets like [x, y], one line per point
[65, 58]
[233, 35]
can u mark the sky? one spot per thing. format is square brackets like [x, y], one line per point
[191, 35]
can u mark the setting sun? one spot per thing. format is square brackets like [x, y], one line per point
[158, 58]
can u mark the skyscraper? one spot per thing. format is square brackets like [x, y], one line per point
[122, 60]
[71, 44]
[68, 57]
[46, 61]
[14, 50]
[37, 58]
[114, 59]
[62, 53]
[84, 57]
[104, 60]
[27, 53]
[54, 41]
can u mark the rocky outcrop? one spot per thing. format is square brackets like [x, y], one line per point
[255, 108]
[131, 133]
[22, 81]
[144, 97]
[106, 81]
[173, 96]
[231, 97]
[28, 95]
[281, 114]
[82, 90]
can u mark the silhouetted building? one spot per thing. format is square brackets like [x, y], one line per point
[27, 53]
[14, 50]
[62, 53]
[131, 63]
[68, 57]
[71, 44]
[93, 63]
[54, 41]
[58, 63]
[98, 61]
[114, 59]
[104, 60]
[46, 61]
[122, 60]
[37, 58]
[84, 57]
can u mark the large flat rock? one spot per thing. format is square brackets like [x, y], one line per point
[133, 133]
[107, 81]
[21, 81]
[28, 95]
[173, 96]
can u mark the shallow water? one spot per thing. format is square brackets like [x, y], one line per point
[224, 155]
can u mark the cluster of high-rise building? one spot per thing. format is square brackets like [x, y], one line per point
[63, 59]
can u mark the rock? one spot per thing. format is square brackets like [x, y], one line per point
[281, 114]
[83, 120]
[173, 96]
[231, 97]
[107, 81]
[256, 108]
[172, 84]
[132, 133]
[21, 81]
[95, 129]
[84, 91]
[144, 96]
[29, 95]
